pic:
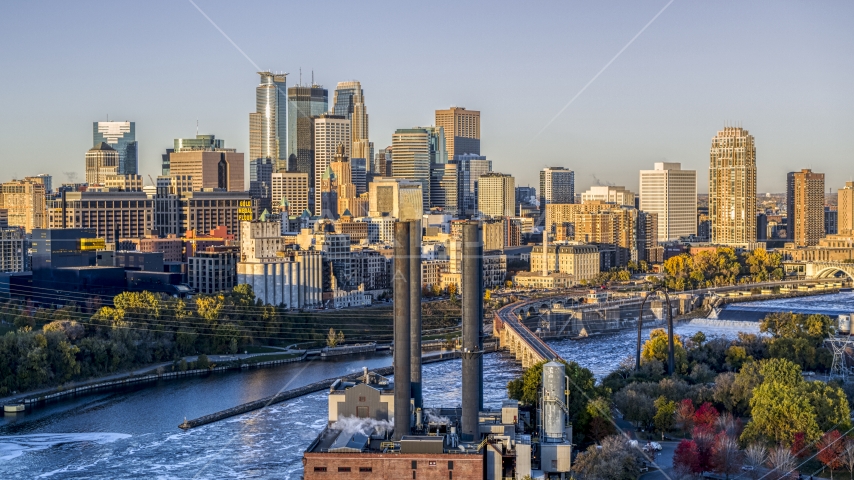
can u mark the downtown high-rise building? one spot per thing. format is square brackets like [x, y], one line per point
[349, 101]
[414, 151]
[24, 203]
[121, 137]
[671, 194]
[845, 205]
[469, 170]
[305, 103]
[732, 187]
[496, 195]
[102, 161]
[268, 125]
[805, 207]
[461, 129]
[557, 185]
[329, 132]
[290, 190]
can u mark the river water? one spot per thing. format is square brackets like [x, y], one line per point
[134, 434]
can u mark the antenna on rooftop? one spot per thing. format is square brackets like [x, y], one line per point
[300, 76]
[197, 127]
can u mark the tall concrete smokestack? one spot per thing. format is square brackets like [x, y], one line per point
[415, 310]
[402, 350]
[472, 286]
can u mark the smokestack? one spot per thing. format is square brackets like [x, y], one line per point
[472, 283]
[415, 310]
[402, 280]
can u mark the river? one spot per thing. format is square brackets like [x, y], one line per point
[134, 434]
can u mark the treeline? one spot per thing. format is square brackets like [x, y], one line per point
[721, 267]
[736, 402]
[53, 346]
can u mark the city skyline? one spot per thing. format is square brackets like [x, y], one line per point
[652, 99]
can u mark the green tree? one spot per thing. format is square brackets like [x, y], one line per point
[582, 386]
[665, 415]
[778, 407]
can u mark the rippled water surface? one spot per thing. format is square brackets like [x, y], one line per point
[134, 434]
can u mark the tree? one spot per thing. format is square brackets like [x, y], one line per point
[613, 459]
[487, 295]
[596, 422]
[656, 348]
[779, 408]
[781, 462]
[452, 290]
[848, 456]
[830, 450]
[706, 417]
[202, 362]
[686, 458]
[636, 407]
[665, 415]
[755, 455]
[736, 356]
[334, 339]
[799, 445]
[685, 415]
[726, 455]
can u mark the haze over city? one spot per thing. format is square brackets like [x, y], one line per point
[782, 70]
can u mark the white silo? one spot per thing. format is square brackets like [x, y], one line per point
[554, 402]
[844, 324]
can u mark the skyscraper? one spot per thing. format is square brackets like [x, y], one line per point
[805, 196]
[846, 209]
[732, 187]
[121, 136]
[470, 168]
[557, 185]
[462, 130]
[329, 132]
[350, 102]
[260, 181]
[268, 126]
[101, 160]
[414, 150]
[671, 194]
[444, 187]
[304, 104]
[496, 195]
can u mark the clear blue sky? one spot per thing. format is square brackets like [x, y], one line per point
[785, 70]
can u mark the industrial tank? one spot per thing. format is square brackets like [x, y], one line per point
[554, 402]
[845, 324]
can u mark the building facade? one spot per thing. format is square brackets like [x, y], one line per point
[108, 214]
[121, 136]
[350, 102]
[293, 188]
[557, 185]
[13, 250]
[221, 169]
[210, 272]
[268, 125]
[329, 132]
[461, 129]
[845, 208]
[102, 160]
[496, 196]
[805, 198]
[414, 150]
[305, 102]
[469, 170]
[396, 198]
[732, 187]
[25, 203]
[610, 194]
[671, 194]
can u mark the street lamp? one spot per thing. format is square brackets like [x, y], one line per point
[670, 361]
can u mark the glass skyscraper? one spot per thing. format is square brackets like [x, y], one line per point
[121, 136]
[268, 125]
[304, 103]
[349, 102]
[470, 168]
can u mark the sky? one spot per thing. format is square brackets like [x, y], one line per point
[782, 70]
